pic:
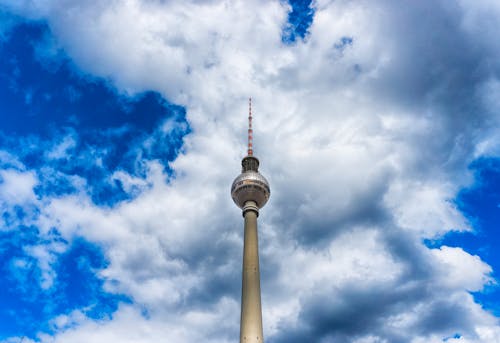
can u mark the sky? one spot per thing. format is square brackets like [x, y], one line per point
[122, 127]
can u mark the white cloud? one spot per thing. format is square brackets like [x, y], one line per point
[16, 187]
[460, 269]
[130, 325]
[425, 208]
[364, 149]
[63, 149]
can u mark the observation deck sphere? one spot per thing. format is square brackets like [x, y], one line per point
[250, 186]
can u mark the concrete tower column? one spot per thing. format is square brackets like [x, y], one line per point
[251, 313]
[250, 191]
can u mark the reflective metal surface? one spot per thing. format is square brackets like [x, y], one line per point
[250, 186]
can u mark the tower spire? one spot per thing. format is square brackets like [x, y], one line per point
[250, 131]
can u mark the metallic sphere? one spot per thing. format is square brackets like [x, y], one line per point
[250, 186]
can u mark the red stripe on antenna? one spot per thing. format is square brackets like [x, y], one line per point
[250, 131]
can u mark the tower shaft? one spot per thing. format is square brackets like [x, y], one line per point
[251, 312]
[250, 191]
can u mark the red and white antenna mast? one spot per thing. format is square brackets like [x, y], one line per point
[250, 131]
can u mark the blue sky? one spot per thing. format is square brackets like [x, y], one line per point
[122, 127]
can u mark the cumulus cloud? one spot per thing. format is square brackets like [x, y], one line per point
[16, 187]
[365, 130]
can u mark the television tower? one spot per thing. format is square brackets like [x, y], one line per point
[250, 191]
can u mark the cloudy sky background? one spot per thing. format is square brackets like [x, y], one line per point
[123, 124]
